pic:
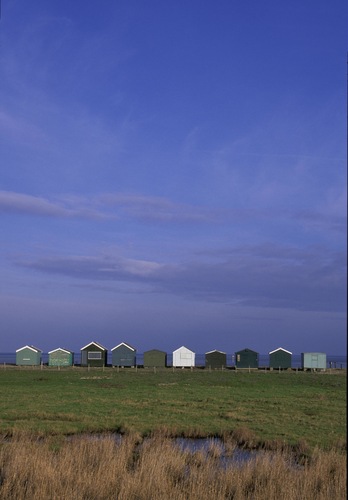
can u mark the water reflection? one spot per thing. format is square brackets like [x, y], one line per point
[224, 453]
[216, 448]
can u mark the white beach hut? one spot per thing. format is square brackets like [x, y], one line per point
[183, 357]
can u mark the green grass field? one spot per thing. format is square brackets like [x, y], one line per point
[271, 406]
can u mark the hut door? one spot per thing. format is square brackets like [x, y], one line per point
[314, 363]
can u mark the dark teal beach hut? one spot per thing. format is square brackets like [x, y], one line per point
[60, 357]
[93, 354]
[246, 358]
[215, 360]
[280, 358]
[28, 356]
[155, 358]
[123, 355]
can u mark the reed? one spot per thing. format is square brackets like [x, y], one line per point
[156, 468]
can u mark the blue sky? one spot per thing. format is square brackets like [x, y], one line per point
[173, 173]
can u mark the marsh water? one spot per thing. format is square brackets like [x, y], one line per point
[215, 447]
[207, 447]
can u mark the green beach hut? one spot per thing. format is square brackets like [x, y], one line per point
[215, 360]
[247, 358]
[60, 357]
[155, 359]
[93, 354]
[280, 358]
[28, 356]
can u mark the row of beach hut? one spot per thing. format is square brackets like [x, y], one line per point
[124, 355]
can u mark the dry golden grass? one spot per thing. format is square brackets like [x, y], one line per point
[154, 468]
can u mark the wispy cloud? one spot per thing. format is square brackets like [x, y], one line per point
[107, 206]
[160, 210]
[262, 276]
[20, 129]
[103, 268]
[322, 221]
[19, 203]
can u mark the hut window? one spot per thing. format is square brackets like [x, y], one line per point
[94, 355]
[186, 355]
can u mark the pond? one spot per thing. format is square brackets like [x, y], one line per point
[215, 447]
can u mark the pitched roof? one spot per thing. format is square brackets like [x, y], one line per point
[31, 347]
[60, 349]
[183, 347]
[246, 349]
[280, 349]
[215, 350]
[96, 344]
[126, 345]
